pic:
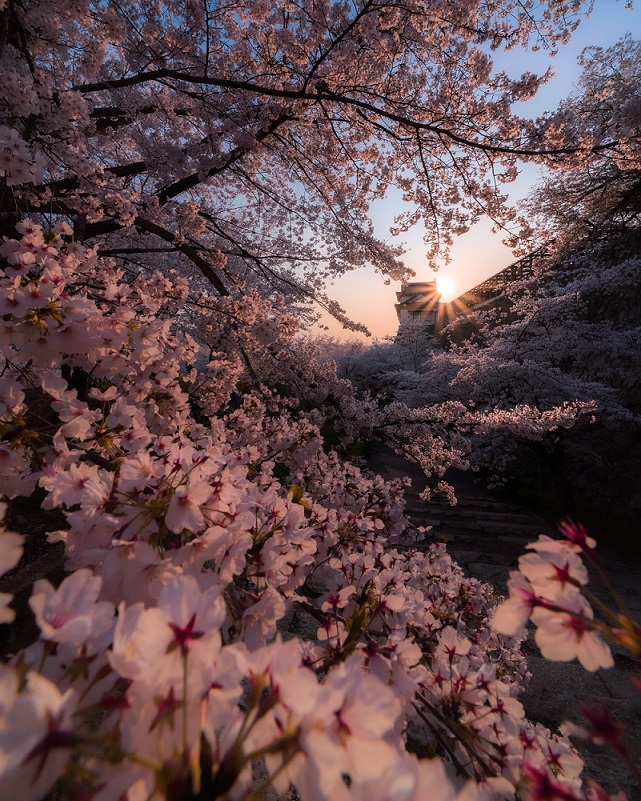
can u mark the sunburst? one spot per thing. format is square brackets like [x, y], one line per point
[446, 286]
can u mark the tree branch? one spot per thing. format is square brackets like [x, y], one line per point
[332, 97]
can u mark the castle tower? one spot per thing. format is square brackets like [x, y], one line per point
[417, 304]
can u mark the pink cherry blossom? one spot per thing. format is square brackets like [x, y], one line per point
[511, 616]
[72, 613]
[10, 555]
[450, 644]
[36, 734]
[184, 510]
[159, 388]
[554, 576]
[259, 619]
[563, 636]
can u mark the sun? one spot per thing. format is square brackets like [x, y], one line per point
[446, 286]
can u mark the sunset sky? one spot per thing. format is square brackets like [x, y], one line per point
[478, 254]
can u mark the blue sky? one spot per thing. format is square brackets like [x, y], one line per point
[479, 254]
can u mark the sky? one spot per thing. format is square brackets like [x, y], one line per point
[479, 253]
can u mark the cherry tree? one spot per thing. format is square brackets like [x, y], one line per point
[560, 348]
[591, 201]
[243, 606]
[197, 518]
[248, 142]
[541, 386]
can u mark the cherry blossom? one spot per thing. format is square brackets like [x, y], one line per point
[555, 576]
[10, 554]
[239, 591]
[72, 613]
[511, 616]
[568, 634]
[36, 734]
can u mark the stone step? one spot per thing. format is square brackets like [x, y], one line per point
[488, 539]
[472, 512]
[462, 508]
[486, 502]
[491, 559]
[458, 530]
[523, 530]
[469, 510]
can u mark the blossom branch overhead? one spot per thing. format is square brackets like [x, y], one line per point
[271, 109]
[178, 181]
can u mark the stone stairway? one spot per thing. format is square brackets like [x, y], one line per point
[486, 536]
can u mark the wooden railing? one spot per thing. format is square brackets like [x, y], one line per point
[496, 285]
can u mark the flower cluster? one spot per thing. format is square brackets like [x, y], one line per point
[18, 164]
[550, 590]
[200, 521]
[244, 606]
